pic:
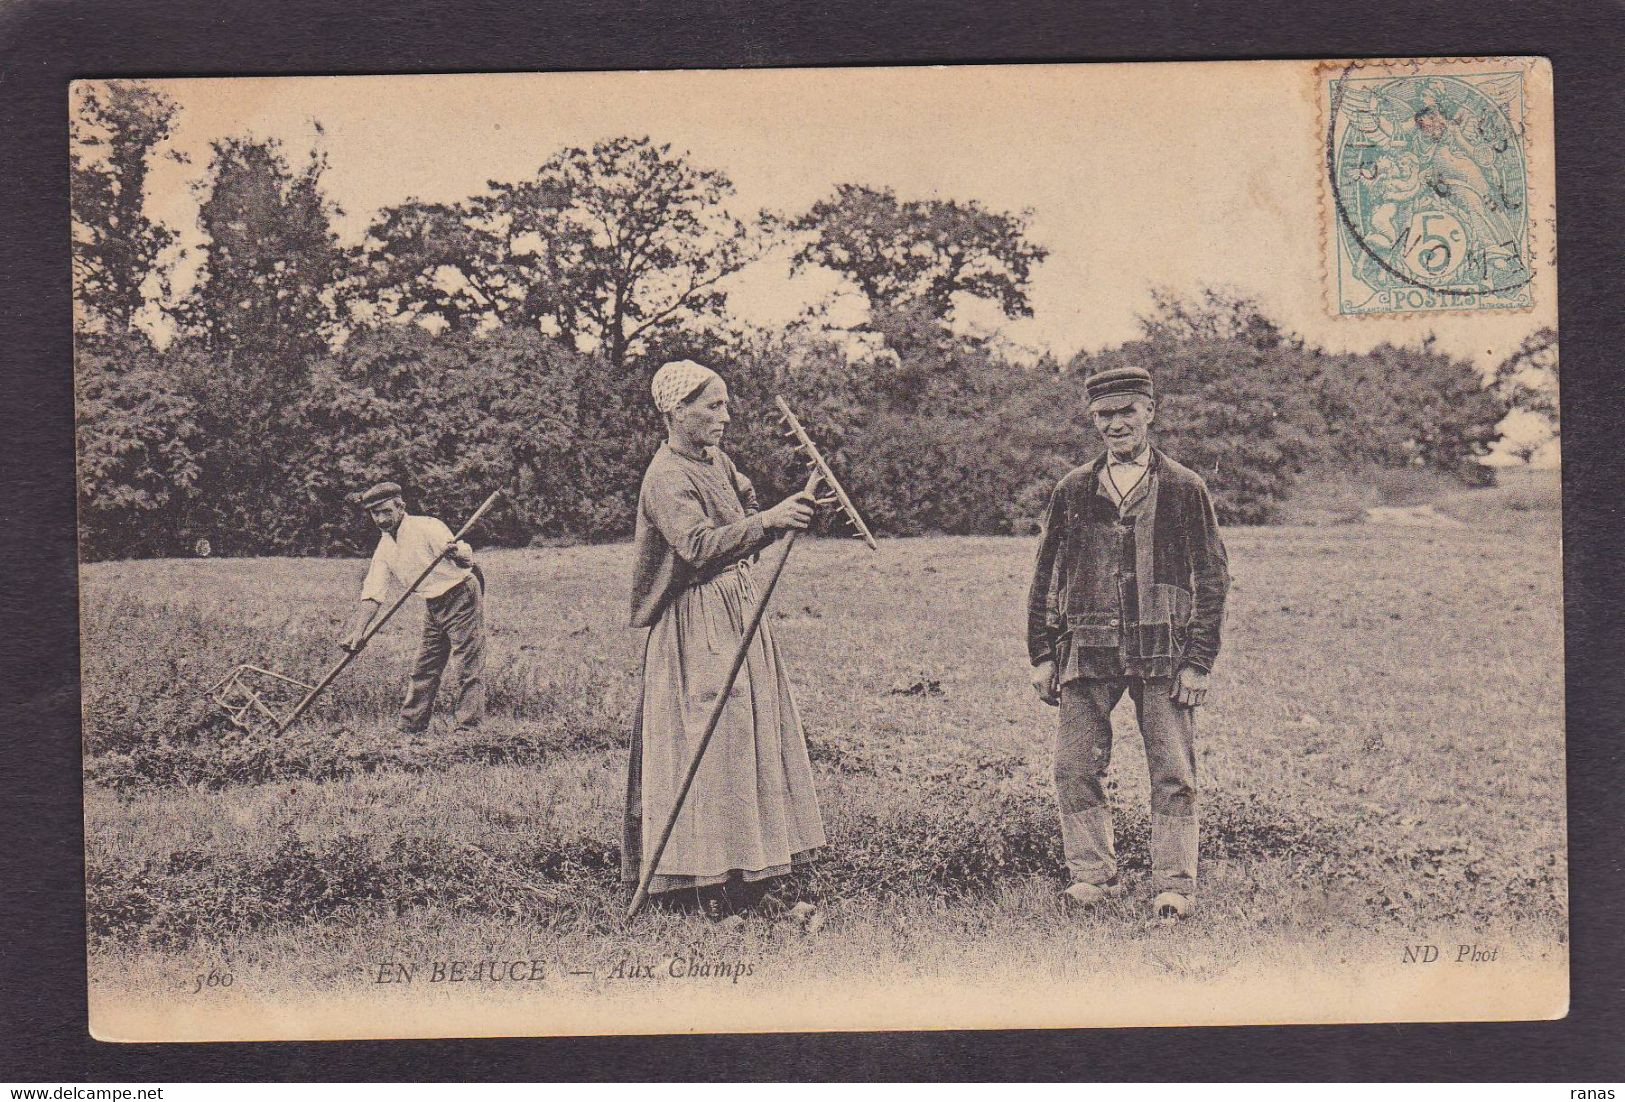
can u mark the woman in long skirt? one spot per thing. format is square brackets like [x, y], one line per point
[751, 814]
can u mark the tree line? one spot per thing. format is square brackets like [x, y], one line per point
[505, 341]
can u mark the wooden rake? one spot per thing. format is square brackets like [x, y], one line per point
[819, 475]
[239, 700]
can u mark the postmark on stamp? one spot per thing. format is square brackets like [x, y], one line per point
[1427, 187]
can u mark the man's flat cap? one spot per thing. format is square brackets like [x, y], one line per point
[1118, 381]
[377, 495]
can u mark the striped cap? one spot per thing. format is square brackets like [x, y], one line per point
[1118, 381]
[377, 495]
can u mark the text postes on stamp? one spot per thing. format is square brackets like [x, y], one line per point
[1427, 188]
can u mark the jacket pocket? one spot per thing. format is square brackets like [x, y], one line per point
[1166, 604]
[1165, 613]
[1093, 630]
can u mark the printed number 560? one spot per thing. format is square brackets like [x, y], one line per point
[211, 979]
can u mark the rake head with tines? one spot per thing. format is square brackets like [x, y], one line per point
[250, 696]
[821, 472]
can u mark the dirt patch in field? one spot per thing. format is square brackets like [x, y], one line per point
[1410, 516]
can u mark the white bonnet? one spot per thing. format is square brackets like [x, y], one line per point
[677, 380]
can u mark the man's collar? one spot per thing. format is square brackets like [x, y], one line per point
[1147, 457]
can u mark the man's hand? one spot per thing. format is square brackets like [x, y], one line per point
[460, 553]
[1190, 687]
[356, 637]
[1044, 682]
[795, 511]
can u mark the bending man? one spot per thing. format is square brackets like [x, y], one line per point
[454, 606]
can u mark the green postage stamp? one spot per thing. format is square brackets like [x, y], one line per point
[1427, 186]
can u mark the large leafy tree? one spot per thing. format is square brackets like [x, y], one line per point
[919, 254]
[140, 448]
[424, 261]
[458, 266]
[271, 264]
[628, 243]
[120, 259]
[262, 313]
[613, 250]
[1214, 314]
[1406, 406]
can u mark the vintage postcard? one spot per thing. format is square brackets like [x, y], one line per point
[868, 549]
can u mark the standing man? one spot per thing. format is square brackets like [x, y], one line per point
[453, 597]
[1127, 596]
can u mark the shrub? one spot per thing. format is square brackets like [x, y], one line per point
[451, 418]
[140, 447]
[929, 430]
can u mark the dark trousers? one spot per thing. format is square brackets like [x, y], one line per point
[453, 627]
[1083, 753]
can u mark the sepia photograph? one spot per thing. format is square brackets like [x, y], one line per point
[956, 547]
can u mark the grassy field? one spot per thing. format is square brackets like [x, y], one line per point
[1382, 764]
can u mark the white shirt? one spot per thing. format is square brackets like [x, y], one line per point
[405, 554]
[1118, 478]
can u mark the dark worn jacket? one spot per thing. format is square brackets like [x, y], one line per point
[1181, 572]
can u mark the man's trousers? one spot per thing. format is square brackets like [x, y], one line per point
[453, 627]
[1083, 752]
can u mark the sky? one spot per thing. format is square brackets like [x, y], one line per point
[1136, 175]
